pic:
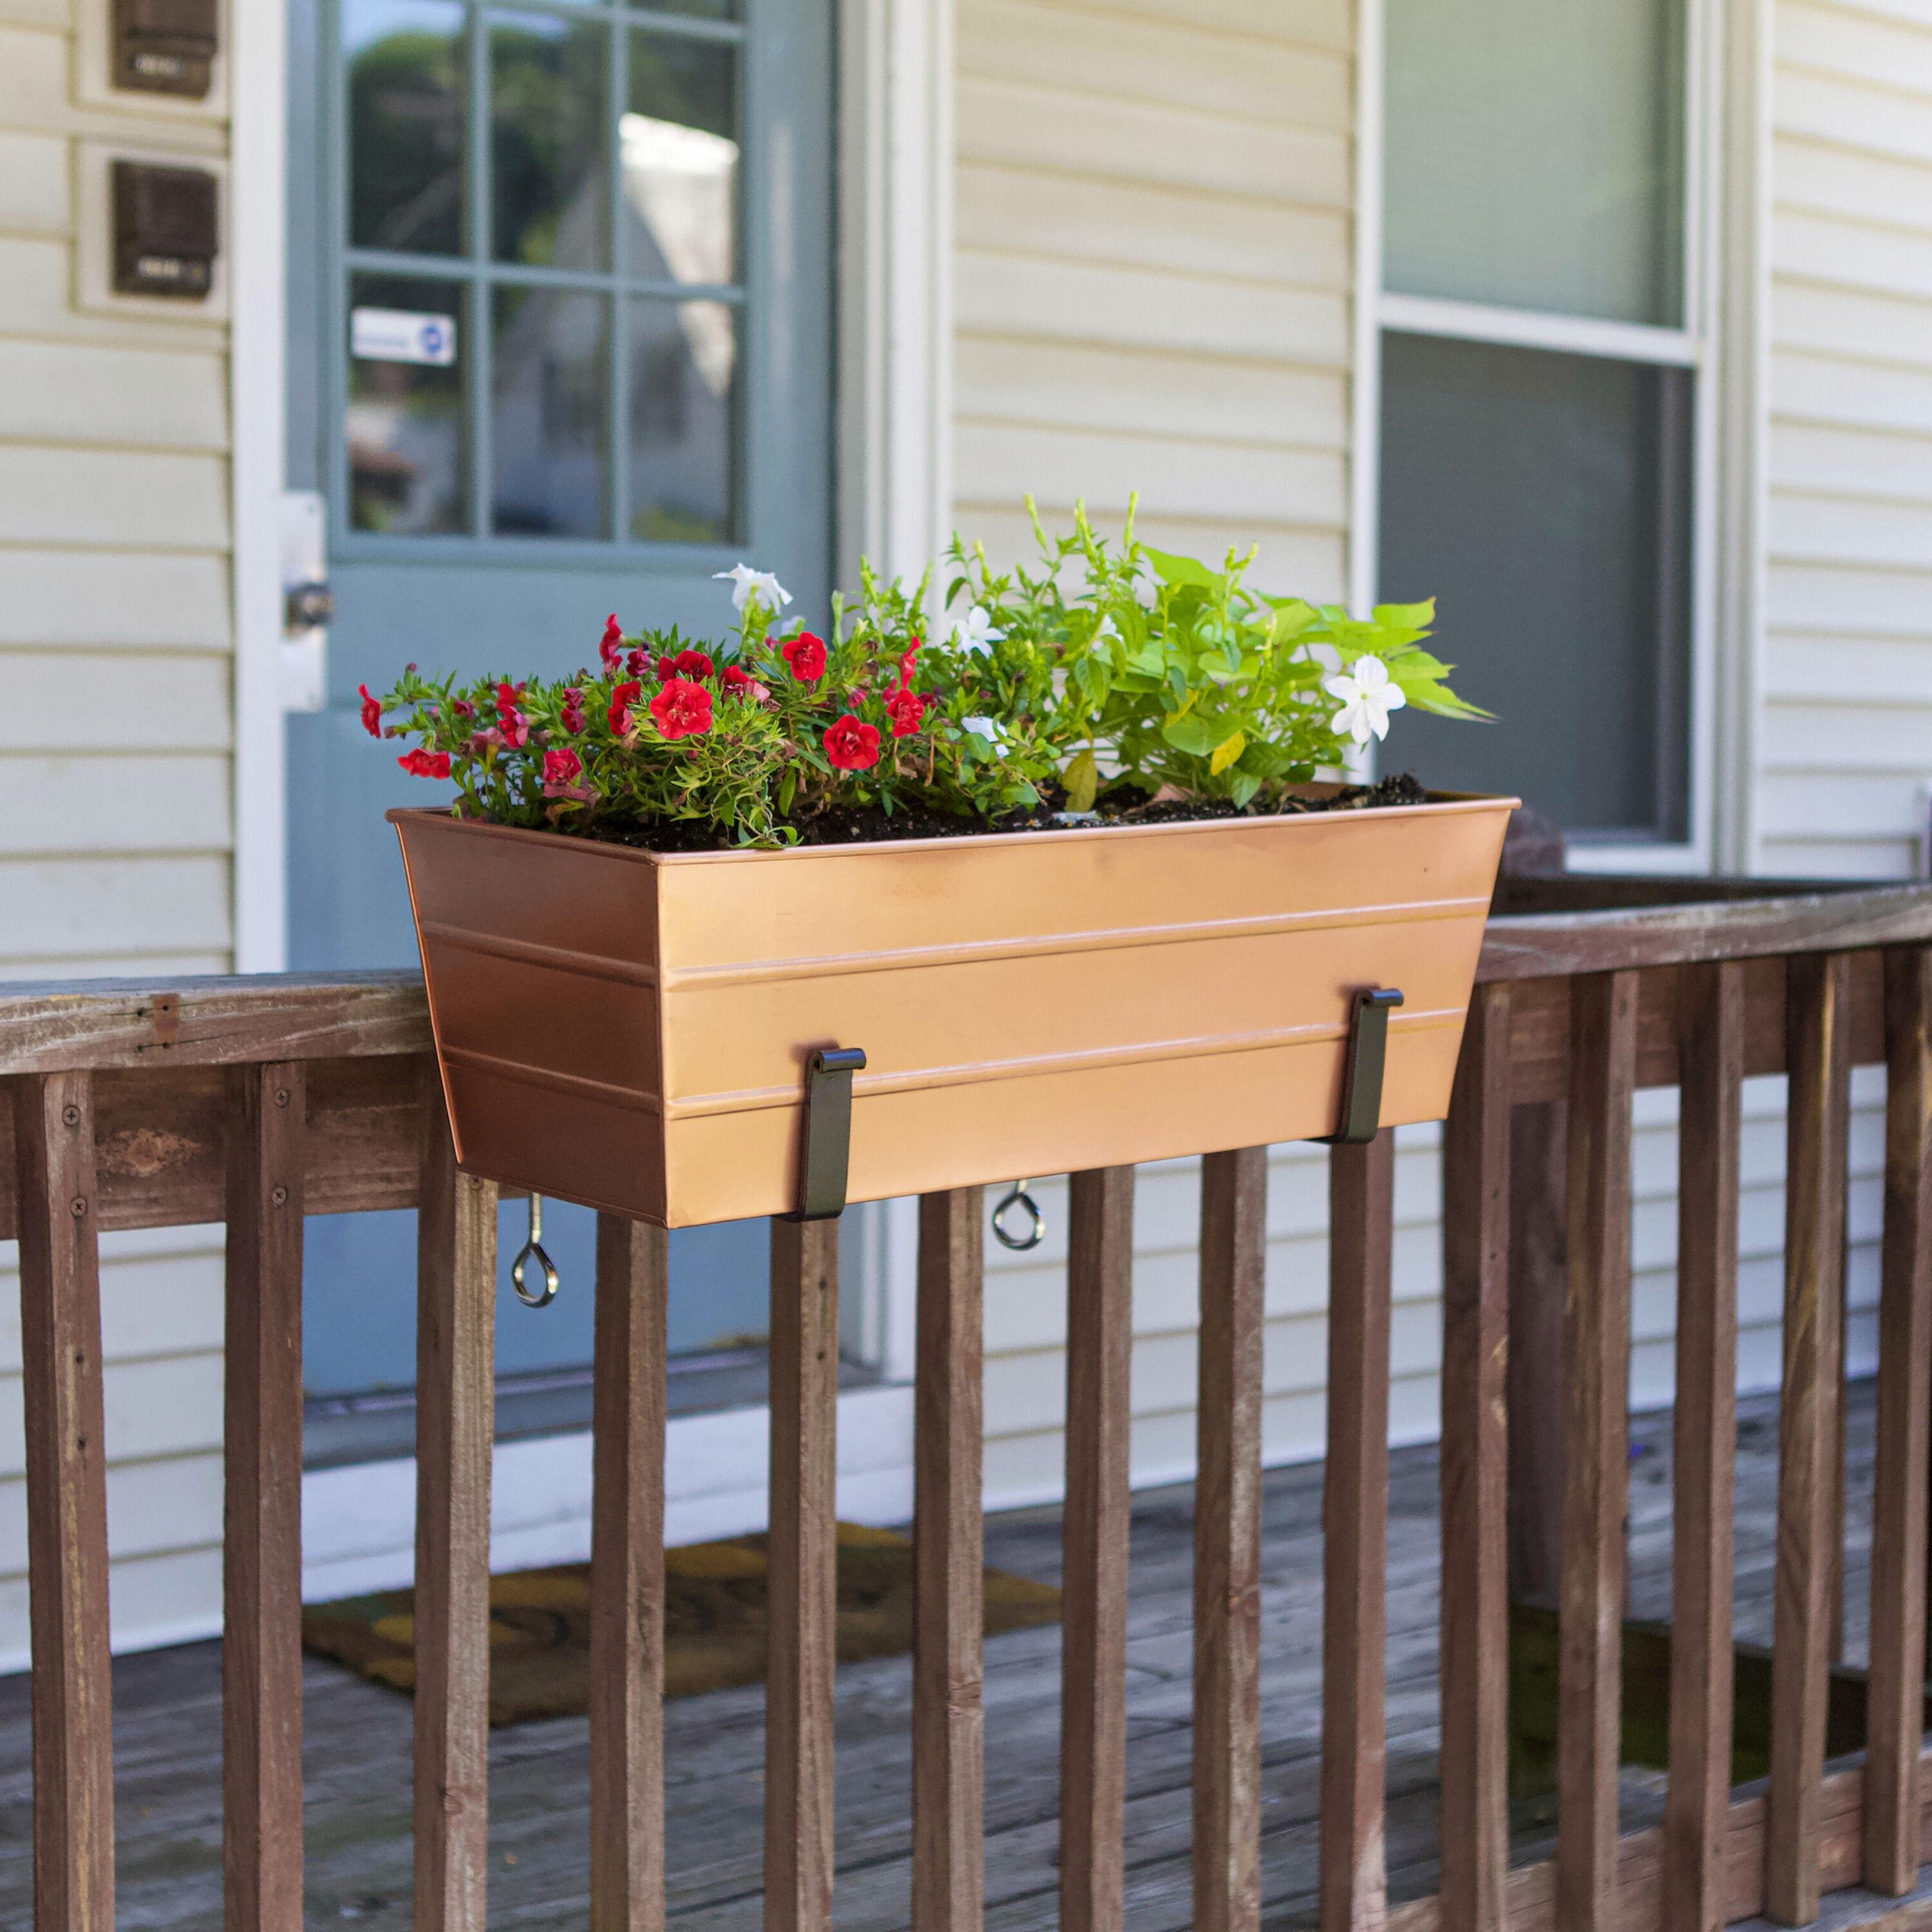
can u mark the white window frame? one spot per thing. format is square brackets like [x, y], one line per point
[1698, 345]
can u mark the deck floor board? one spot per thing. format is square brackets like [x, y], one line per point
[167, 1728]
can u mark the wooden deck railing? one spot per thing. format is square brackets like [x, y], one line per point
[259, 1101]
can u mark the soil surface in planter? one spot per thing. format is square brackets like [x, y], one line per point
[869, 823]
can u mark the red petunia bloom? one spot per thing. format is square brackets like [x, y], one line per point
[612, 648]
[570, 717]
[626, 695]
[907, 710]
[421, 764]
[905, 666]
[372, 712]
[737, 680]
[692, 663]
[637, 663]
[805, 654]
[462, 707]
[515, 727]
[682, 709]
[562, 770]
[851, 745]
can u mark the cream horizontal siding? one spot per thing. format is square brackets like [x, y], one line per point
[1152, 271]
[1845, 739]
[116, 738]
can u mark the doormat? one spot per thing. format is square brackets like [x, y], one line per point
[714, 1622]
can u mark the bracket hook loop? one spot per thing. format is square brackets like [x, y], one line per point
[1017, 1197]
[532, 1250]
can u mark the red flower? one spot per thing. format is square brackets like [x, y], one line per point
[562, 769]
[462, 708]
[905, 666]
[372, 712]
[626, 695]
[637, 663]
[682, 709]
[906, 710]
[737, 680]
[611, 649]
[805, 654]
[421, 764]
[691, 663]
[851, 745]
[571, 715]
[516, 727]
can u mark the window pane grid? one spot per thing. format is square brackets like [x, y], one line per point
[654, 254]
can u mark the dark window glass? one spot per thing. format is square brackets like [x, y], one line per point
[405, 63]
[404, 422]
[680, 150]
[1545, 500]
[546, 140]
[550, 415]
[684, 414]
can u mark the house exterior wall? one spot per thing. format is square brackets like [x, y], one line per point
[1846, 736]
[116, 744]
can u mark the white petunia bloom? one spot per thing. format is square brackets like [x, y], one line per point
[747, 584]
[973, 633]
[1367, 698]
[988, 728]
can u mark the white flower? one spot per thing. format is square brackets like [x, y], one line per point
[988, 728]
[973, 633]
[747, 584]
[1367, 698]
[1108, 628]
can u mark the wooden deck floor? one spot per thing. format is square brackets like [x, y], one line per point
[167, 1733]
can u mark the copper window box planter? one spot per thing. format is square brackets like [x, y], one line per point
[630, 1030]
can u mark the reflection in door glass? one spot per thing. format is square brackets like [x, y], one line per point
[403, 423]
[684, 390]
[405, 69]
[550, 420]
[546, 118]
[680, 152]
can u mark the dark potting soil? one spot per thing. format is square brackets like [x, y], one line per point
[870, 823]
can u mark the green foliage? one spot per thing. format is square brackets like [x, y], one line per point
[1155, 671]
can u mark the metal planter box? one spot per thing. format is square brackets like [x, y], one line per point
[630, 1030]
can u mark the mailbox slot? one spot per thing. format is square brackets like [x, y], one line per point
[166, 226]
[165, 46]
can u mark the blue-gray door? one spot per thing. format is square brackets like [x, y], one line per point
[560, 326]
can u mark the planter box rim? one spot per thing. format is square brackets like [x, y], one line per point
[1439, 805]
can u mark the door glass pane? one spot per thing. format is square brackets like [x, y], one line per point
[1534, 154]
[405, 71]
[404, 421]
[680, 149]
[550, 420]
[684, 389]
[1546, 500]
[546, 140]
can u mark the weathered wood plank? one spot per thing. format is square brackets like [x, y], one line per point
[948, 1880]
[456, 1314]
[67, 1503]
[803, 1571]
[1538, 1266]
[1807, 1429]
[1227, 1754]
[1596, 1391]
[224, 1022]
[1475, 1831]
[1893, 1719]
[1543, 946]
[1704, 1436]
[627, 1571]
[1361, 1231]
[1094, 1603]
[261, 1703]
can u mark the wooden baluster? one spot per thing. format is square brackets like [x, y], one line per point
[1474, 1832]
[261, 1641]
[949, 1559]
[67, 1503]
[1093, 1592]
[1894, 1723]
[456, 1320]
[804, 1575]
[627, 1579]
[1710, 1058]
[1354, 1538]
[1817, 1004]
[1596, 1479]
[1227, 1545]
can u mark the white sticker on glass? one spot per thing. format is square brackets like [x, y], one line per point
[402, 335]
